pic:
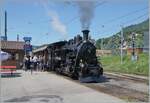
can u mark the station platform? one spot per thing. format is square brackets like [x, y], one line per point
[45, 87]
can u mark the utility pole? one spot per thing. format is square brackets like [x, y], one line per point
[5, 25]
[101, 43]
[102, 39]
[133, 47]
[17, 37]
[121, 46]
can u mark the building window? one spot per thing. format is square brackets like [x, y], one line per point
[13, 56]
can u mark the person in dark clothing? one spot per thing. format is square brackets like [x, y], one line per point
[28, 63]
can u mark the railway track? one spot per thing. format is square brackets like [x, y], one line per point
[128, 77]
[126, 94]
[127, 88]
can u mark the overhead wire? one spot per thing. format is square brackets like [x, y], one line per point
[76, 17]
[123, 16]
[107, 22]
[132, 20]
[127, 14]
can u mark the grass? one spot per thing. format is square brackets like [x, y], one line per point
[139, 67]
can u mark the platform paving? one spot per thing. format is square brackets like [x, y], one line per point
[45, 87]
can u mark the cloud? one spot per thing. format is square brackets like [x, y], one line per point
[56, 23]
[1, 3]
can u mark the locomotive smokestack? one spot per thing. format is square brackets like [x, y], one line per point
[85, 34]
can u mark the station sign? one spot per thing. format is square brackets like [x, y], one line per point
[27, 46]
[27, 38]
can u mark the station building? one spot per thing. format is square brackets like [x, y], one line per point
[16, 50]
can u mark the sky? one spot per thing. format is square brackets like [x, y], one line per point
[48, 21]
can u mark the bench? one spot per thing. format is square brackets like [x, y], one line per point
[7, 69]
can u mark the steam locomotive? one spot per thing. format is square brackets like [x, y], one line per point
[75, 58]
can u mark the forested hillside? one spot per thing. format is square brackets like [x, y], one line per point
[113, 42]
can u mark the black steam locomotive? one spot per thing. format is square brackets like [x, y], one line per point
[75, 58]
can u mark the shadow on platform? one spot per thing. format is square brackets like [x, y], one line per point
[101, 79]
[37, 98]
[9, 75]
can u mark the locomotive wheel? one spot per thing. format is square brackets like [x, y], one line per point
[74, 76]
[79, 74]
[56, 70]
[101, 71]
[82, 73]
[59, 71]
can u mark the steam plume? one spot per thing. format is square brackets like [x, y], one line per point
[86, 13]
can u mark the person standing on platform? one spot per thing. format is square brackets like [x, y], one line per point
[35, 59]
[40, 62]
[44, 63]
[39, 66]
[28, 62]
[25, 60]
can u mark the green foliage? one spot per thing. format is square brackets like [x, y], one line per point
[113, 42]
[139, 67]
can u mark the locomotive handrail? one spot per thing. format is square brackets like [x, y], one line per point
[78, 54]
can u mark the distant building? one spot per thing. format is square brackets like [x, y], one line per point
[146, 41]
[40, 50]
[137, 51]
[103, 52]
[16, 50]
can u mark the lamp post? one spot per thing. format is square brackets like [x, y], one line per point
[121, 45]
[101, 43]
[134, 57]
[102, 39]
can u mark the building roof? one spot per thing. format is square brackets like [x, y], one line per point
[60, 43]
[41, 48]
[18, 45]
[45, 46]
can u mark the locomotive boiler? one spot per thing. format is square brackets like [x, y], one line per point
[75, 58]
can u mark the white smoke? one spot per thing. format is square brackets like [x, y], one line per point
[56, 23]
[86, 13]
